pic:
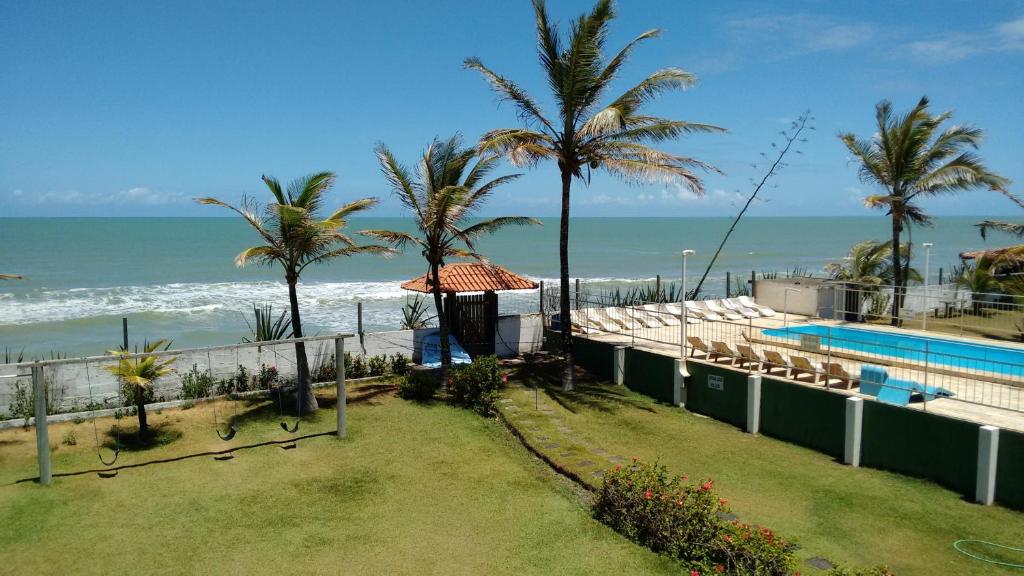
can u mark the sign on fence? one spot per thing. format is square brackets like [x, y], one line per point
[716, 382]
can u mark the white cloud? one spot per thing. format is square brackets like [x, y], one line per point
[803, 33]
[956, 46]
[139, 195]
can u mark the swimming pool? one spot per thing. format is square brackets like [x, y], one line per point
[955, 353]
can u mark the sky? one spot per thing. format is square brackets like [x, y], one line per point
[136, 108]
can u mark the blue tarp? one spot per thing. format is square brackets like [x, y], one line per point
[430, 347]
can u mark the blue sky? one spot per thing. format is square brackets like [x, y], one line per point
[134, 108]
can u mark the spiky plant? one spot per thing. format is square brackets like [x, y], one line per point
[446, 191]
[137, 375]
[414, 314]
[587, 135]
[911, 157]
[266, 328]
[294, 237]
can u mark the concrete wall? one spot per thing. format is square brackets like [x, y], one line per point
[772, 293]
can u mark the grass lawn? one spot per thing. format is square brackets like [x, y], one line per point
[855, 516]
[991, 323]
[415, 489]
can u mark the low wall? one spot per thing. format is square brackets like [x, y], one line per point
[809, 417]
[649, 374]
[717, 392]
[1010, 471]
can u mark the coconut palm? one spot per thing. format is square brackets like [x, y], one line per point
[1011, 228]
[912, 158]
[869, 262]
[295, 237]
[586, 135]
[137, 375]
[447, 190]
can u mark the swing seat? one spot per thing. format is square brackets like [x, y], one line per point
[292, 430]
[231, 433]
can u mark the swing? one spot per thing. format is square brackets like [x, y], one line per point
[280, 406]
[95, 429]
[232, 429]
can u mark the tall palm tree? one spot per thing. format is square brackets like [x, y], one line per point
[447, 190]
[869, 262]
[1011, 228]
[912, 157]
[137, 376]
[295, 237]
[587, 135]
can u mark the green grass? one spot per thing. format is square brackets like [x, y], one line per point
[855, 516]
[414, 489]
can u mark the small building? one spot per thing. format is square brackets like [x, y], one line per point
[471, 301]
[1005, 261]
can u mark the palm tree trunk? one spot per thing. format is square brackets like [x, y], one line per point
[307, 400]
[140, 410]
[442, 323]
[565, 322]
[897, 269]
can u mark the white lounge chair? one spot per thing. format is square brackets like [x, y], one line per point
[692, 308]
[749, 303]
[729, 304]
[581, 322]
[661, 312]
[717, 308]
[623, 318]
[601, 322]
[645, 318]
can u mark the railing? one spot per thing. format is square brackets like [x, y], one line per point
[830, 356]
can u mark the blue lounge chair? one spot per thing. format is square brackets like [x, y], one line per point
[875, 381]
[430, 347]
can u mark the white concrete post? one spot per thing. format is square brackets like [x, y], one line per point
[619, 365]
[679, 383]
[339, 383]
[988, 457]
[854, 426]
[42, 433]
[753, 403]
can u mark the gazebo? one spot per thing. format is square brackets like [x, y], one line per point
[471, 300]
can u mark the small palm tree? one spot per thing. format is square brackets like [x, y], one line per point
[977, 277]
[448, 189]
[1011, 228]
[586, 135]
[137, 375]
[295, 237]
[869, 262]
[911, 157]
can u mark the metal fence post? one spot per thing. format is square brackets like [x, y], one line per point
[925, 395]
[339, 383]
[828, 364]
[542, 299]
[42, 432]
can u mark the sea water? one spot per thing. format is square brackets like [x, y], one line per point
[175, 277]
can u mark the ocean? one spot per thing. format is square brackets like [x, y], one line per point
[175, 277]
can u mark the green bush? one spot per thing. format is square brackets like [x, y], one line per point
[399, 364]
[357, 369]
[671, 516]
[873, 571]
[475, 386]
[266, 378]
[70, 438]
[378, 365]
[419, 385]
[196, 383]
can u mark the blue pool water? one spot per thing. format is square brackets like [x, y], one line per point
[954, 353]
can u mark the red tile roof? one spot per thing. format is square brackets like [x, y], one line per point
[472, 277]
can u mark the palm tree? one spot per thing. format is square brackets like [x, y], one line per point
[295, 237]
[1011, 228]
[911, 157]
[587, 136]
[448, 188]
[977, 277]
[869, 262]
[137, 376]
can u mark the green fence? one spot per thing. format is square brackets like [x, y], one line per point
[810, 417]
[717, 392]
[920, 444]
[591, 355]
[1010, 469]
[650, 374]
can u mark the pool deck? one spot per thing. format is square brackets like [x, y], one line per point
[982, 398]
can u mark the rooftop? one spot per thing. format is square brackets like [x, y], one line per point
[472, 277]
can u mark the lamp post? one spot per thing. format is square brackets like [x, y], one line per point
[682, 305]
[785, 305]
[927, 265]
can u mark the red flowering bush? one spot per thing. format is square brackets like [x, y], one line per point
[673, 516]
[874, 571]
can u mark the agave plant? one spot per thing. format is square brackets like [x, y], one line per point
[414, 314]
[137, 376]
[266, 328]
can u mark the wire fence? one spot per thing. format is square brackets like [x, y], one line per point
[892, 364]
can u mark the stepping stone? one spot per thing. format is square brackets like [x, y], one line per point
[585, 464]
[597, 473]
[566, 454]
[565, 429]
[820, 563]
[617, 459]
[505, 400]
[600, 451]
[727, 516]
[551, 446]
[526, 422]
[541, 437]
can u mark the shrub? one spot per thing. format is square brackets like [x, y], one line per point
[265, 378]
[419, 385]
[196, 383]
[671, 516]
[378, 365]
[399, 364]
[873, 571]
[70, 438]
[357, 369]
[475, 386]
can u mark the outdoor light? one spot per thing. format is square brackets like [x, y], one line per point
[927, 265]
[682, 324]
